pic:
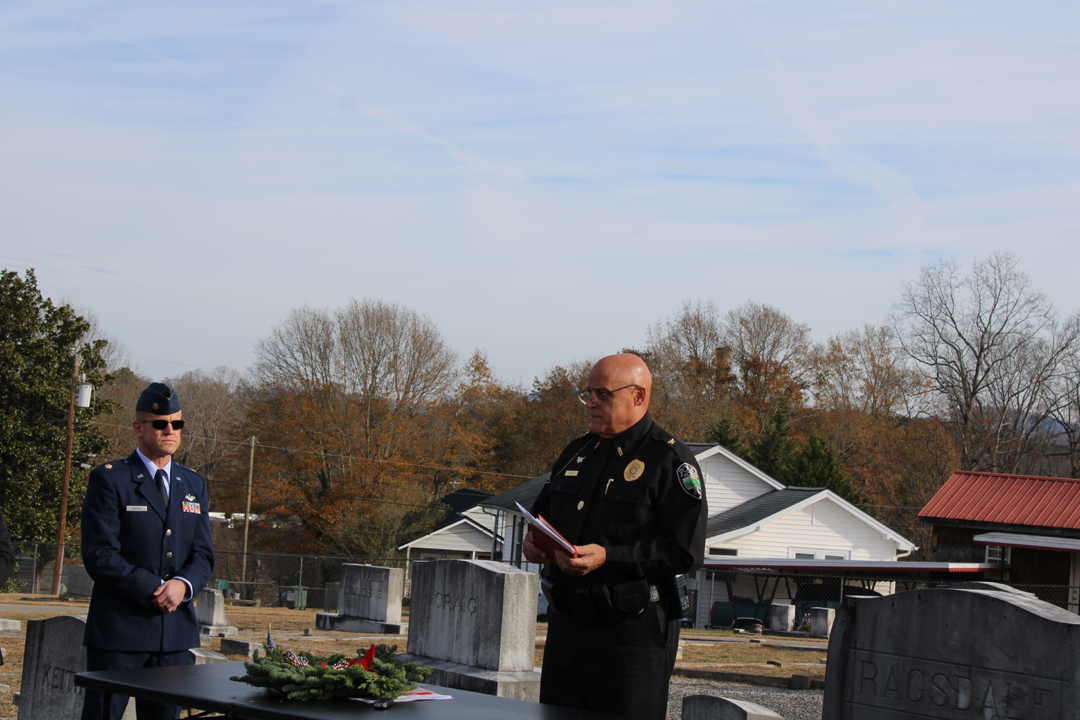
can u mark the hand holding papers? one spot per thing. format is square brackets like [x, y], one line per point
[546, 537]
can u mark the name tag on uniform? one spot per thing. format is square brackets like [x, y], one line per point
[136, 508]
[571, 473]
[192, 507]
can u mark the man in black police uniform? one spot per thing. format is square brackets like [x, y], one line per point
[146, 544]
[630, 497]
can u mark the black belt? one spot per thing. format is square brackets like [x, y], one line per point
[602, 602]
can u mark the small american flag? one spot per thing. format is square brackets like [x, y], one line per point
[271, 646]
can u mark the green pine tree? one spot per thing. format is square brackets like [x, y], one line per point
[774, 449]
[817, 465]
[726, 432]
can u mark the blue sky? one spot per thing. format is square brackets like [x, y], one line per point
[545, 180]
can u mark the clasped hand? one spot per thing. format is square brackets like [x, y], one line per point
[590, 557]
[168, 596]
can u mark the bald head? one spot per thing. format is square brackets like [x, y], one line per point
[624, 383]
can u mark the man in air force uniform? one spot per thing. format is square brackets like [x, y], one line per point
[146, 544]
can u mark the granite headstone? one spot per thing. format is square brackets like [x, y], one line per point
[985, 652]
[77, 581]
[210, 614]
[821, 621]
[369, 601]
[709, 707]
[781, 617]
[474, 623]
[53, 654]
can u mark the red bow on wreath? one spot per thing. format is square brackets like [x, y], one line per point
[364, 662]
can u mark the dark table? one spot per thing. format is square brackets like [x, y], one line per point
[207, 687]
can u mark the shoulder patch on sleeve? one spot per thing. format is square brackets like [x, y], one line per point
[689, 480]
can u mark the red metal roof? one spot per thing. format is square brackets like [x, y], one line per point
[1007, 499]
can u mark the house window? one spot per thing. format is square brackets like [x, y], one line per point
[818, 554]
[994, 554]
[730, 552]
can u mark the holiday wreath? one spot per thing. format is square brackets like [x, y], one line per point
[376, 674]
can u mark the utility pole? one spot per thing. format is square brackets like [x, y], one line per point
[59, 565]
[247, 509]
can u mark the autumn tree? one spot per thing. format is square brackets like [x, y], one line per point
[341, 403]
[691, 370]
[552, 417]
[38, 344]
[121, 389]
[480, 434]
[990, 346]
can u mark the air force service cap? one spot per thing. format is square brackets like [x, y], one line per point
[158, 399]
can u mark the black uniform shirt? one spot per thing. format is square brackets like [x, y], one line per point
[639, 495]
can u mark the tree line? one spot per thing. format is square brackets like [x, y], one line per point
[363, 417]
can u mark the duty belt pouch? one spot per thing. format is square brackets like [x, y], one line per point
[676, 598]
[630, 598]
[550, 592]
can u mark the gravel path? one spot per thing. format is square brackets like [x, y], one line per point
[789, 704]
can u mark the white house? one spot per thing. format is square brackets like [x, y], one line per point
[466, 532]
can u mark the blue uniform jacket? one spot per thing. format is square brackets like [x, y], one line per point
[130, 543]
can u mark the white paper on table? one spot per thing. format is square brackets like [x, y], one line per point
[411, 696]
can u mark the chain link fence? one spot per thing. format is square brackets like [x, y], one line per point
[721, 596]
[724, 596]
[265, 579]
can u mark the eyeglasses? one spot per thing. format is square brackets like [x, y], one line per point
[601, 395]
[162, 424]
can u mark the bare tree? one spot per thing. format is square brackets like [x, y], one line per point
[990, 347]
[691, 369]
[756, 331]
[864, 370]
[213, 412]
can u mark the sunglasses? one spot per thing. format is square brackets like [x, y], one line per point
[162, 424]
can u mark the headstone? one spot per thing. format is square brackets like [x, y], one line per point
[10, 625]
[210, 613]
[330, 597]
[474, 623]
[821, 621]
[240, 647]
[709, 707]
[781, 617]
[77, 581]
[369, 601]
[749, 624]
[953, 653]
[202, 656]
[53, 654]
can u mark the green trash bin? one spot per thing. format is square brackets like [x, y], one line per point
[222, 585]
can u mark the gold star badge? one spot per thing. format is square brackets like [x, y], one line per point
[633, 471]
[155, 406]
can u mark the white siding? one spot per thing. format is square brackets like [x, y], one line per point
[844, 532]
[728, 485]
[480, 517]
[459, 538]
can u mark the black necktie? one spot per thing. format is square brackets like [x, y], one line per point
[159, 479]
